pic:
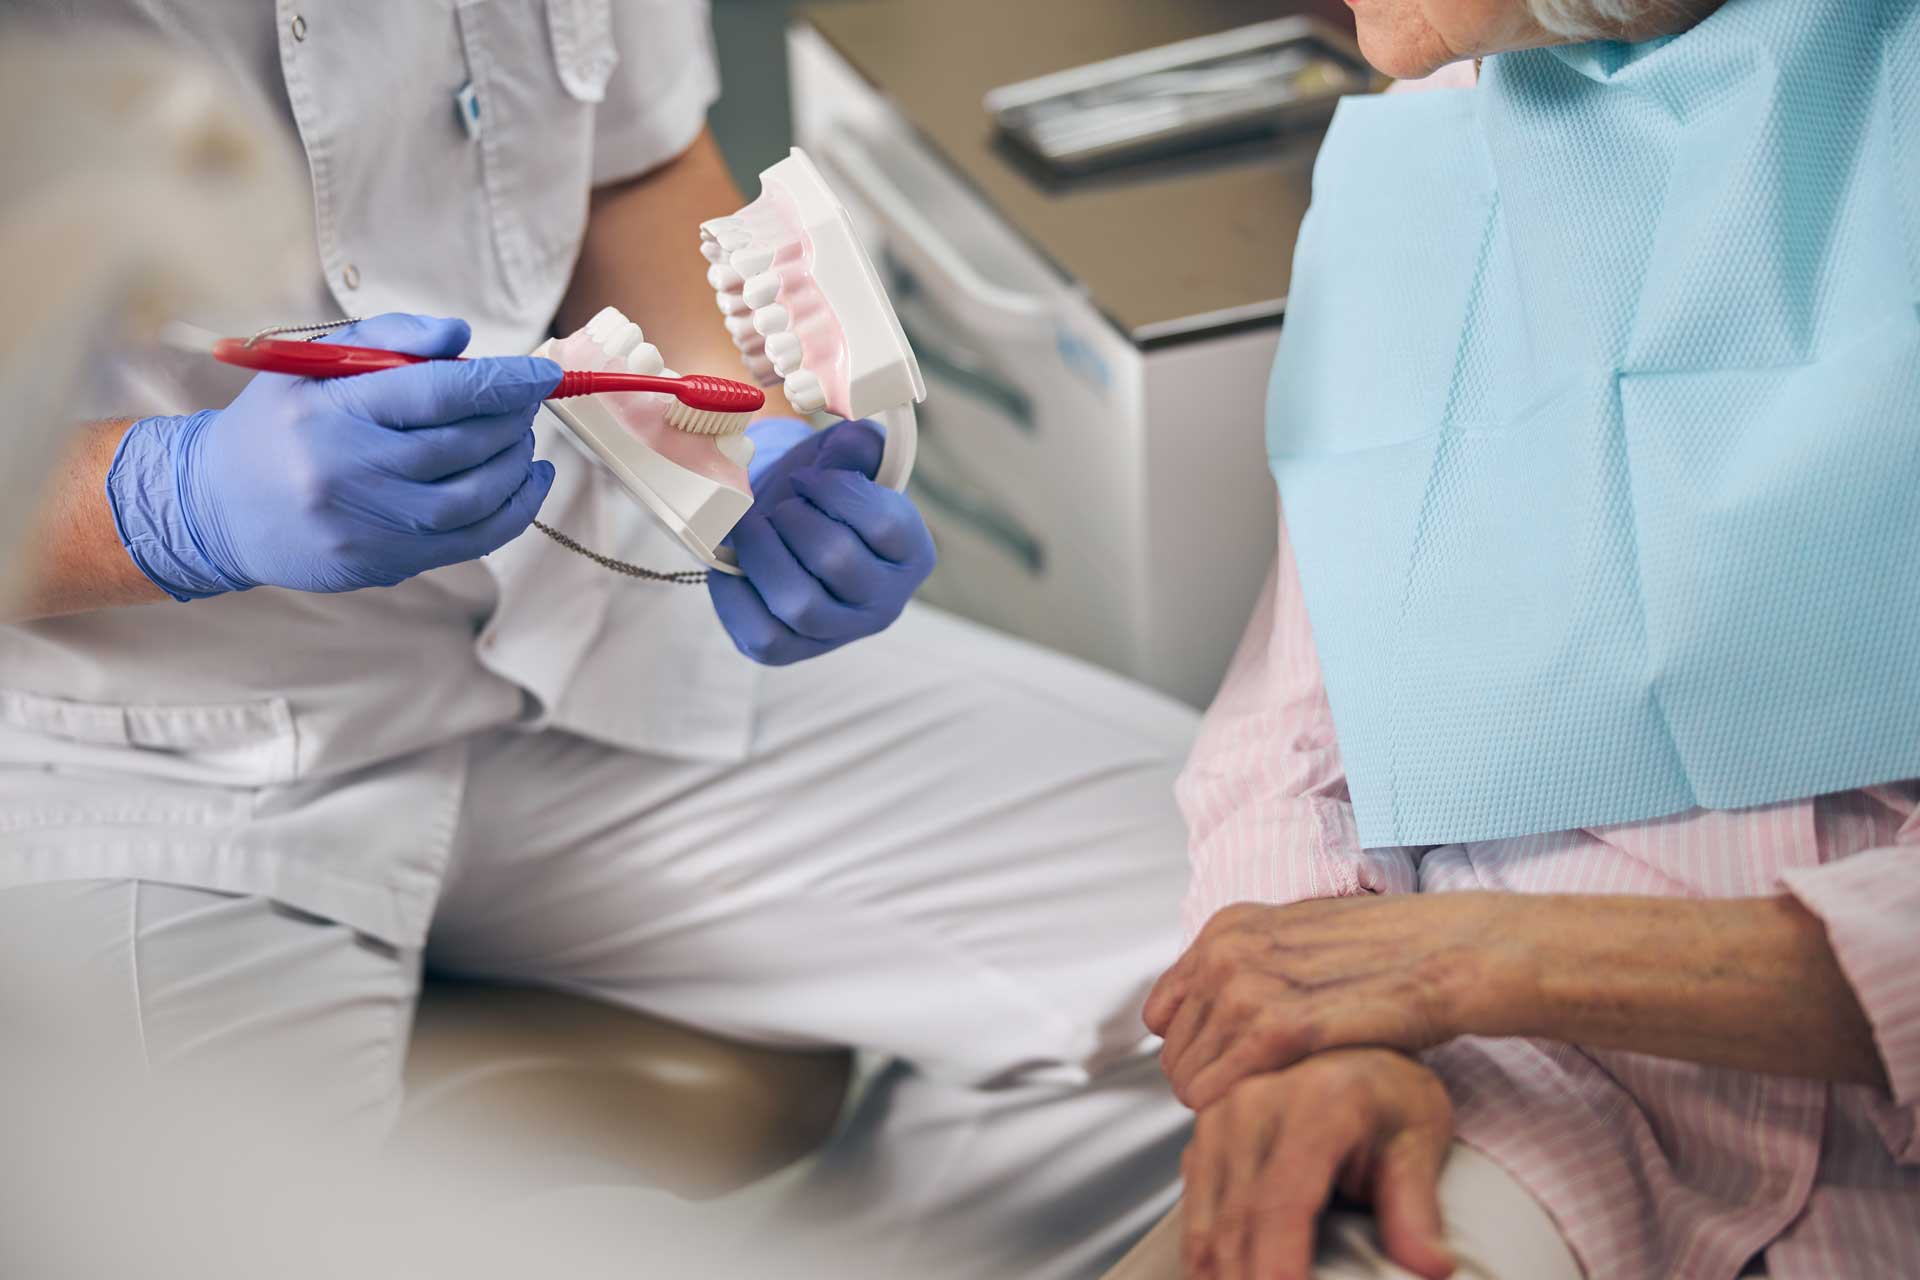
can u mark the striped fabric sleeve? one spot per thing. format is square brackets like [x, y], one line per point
[1870, 903]
[1264, 791]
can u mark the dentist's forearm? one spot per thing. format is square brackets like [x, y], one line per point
[1748, 983]
[642, 255]
[73, 558]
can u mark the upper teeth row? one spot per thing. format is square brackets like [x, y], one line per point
[621, 339]
[747, 289]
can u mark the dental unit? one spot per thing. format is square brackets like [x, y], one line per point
[807, 311]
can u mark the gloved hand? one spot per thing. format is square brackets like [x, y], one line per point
[773, 439]
[828, 555]
[342, 483]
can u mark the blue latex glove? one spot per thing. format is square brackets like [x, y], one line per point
[773, 439]
[828, 555]
[342, 483]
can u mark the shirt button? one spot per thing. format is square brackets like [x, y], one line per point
[299, 26]
[350, 276]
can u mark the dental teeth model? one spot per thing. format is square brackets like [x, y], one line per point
[807, 311]
[693, 480]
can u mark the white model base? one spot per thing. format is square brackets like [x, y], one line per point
[880, 367]
[699, 511]
[805, 304]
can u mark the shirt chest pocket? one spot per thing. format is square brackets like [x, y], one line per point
[536, 70]
[236, 744]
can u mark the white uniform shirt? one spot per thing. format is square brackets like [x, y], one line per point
[311, 746]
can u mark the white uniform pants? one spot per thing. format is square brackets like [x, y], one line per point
[948, 848]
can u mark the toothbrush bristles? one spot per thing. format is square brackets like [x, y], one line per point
[706, 422]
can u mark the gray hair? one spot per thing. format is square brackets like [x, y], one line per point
[1596, 19]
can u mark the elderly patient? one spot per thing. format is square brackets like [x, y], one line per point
[1557, 854]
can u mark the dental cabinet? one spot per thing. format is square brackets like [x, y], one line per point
[1092, 457]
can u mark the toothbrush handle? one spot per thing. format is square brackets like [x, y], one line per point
[587, 382]
[700, 391]
[308, 359]
[333, 360]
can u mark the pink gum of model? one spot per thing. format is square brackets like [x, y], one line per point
[645, 415]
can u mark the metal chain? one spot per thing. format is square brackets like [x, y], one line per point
[678, 578]
[316, 330]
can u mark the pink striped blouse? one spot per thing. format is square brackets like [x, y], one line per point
[1652, 1168]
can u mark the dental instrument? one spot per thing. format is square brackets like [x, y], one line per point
[706, 405]
[1249, 82]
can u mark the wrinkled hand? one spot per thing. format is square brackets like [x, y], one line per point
[827, 555]
[1267, 1157]
[1263, 987]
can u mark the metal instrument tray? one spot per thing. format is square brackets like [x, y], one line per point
[1245, 82]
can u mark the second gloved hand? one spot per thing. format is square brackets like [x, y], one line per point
[827, 555]
[337, 484]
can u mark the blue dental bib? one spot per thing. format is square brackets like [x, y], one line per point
[1596, 422]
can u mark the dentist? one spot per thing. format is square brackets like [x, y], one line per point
[297, 706]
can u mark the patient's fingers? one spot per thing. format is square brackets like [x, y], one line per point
[1175, 984]
[1200, 1171]
[1406, 1200]
[1249, 1138]
[1230, 1050]
[1165, 997]
[1187, 1024]
[1293, 1188]
[1220, 1027]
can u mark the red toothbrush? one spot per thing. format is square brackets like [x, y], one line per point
[708, 405]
